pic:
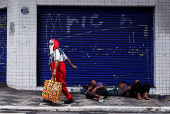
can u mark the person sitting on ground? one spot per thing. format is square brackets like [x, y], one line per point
[136, 90]
[96, 92]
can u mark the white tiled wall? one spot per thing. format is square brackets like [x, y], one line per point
[11, 44]
[21, 60]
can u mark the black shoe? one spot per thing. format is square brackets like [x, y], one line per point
[69, 101]
[44, 100]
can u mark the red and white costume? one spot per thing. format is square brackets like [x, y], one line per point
[58, 54]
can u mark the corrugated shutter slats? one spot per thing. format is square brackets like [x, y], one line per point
[106, 44]
[3, 43]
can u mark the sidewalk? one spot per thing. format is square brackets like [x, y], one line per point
[11, 99]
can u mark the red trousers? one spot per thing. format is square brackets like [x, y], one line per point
[60, 77]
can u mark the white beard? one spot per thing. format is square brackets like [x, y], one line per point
[51, 49]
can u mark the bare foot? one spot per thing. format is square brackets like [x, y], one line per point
[139, 96]
[145, 96]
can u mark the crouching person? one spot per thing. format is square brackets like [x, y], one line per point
[96, 92]
[136, 90]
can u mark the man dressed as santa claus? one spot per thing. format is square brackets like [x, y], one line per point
[58, 69]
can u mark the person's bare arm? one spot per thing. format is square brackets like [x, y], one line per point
[69, 62]
[128, 88]
[55, 69]
[101, 85]
[122, 90]
[89, 88]
[94, 90]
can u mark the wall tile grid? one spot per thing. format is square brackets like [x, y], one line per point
[162, 46]
[11, 44]
[21, 62]
[3, 4]
[28, 39]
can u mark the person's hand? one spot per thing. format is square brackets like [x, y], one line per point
[128, 88]
[94, 90]
[54, 73]
[74, 67]
[90, 87]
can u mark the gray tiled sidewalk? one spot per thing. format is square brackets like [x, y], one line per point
[12, 97]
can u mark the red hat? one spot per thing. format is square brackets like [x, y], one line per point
[56, 43]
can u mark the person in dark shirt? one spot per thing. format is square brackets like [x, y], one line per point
[123, 89]
[136, 90]
[96, 92]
